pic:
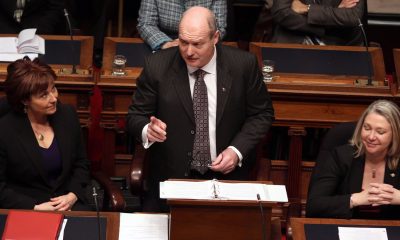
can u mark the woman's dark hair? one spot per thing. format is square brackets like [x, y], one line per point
[26, 78]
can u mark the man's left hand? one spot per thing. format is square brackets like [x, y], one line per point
[299, 7]
[225, 161]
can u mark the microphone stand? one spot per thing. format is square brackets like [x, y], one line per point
[262, 216]
[369, 82]
[72, 41]
[97, 211]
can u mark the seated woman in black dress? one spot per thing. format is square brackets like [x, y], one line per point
[361, 179]
[43, 164]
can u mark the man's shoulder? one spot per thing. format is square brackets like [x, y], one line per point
[162, 60]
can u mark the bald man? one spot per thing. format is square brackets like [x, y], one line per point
[164, 114]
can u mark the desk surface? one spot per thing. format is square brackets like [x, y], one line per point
[112, 231]
[299, 230]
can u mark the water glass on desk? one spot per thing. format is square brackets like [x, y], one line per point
[118, 66]
[268, 70]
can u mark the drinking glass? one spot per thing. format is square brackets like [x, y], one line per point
[118, 66]
[268, 70]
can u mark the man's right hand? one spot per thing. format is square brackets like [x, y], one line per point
[169, 44]
[157, 130]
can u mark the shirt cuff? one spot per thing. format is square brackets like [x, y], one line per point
[238, 154]
[145, 141]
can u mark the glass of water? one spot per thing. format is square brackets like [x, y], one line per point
[268, 70]
[118, 66]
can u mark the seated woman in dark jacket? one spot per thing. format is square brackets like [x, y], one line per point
[361, 179]
[43, 164]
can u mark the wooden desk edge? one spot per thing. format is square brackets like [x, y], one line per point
[298, 224]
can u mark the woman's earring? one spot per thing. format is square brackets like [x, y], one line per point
[25, 109]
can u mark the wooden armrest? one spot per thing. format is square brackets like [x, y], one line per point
[111, 192]
[137, 171]
[276, 230]
[294, 210]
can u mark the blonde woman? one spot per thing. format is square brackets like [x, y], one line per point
[361, 179]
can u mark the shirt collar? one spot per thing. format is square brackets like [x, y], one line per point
[210, 67]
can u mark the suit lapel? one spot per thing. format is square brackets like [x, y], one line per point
[224, 83]
[63, 143]
[180, 79]
[28, 141]
[357, 174]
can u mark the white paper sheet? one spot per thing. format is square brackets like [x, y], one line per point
[61, 234]
[8, 45]
[351, 233]
[139, 226]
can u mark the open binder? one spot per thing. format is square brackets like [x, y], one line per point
[214, 189]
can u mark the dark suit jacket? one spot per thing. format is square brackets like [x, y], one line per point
[4, 107]
[45, 15]
[23, 181]
[334, 26]
[334, 180]
[244, 110]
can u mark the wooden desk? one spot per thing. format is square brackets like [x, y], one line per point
[219, 219]
[328, 64]
[112, 231]
[299, 232]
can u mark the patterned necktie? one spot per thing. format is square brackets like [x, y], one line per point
[201, 146]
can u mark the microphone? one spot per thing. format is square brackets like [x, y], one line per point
[369, 82]
[263, 217]
[72, 39]
[97, 211]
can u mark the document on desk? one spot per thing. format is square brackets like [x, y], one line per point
[61, 235]
[213, 189]
[351, 233]
[140, 226]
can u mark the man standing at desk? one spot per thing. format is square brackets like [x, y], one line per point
[202, 107]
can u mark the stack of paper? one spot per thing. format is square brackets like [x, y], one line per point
[350, 233]
[27, 44]
[213, 189]
[143, 226]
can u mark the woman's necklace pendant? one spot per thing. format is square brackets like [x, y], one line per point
[41, 137]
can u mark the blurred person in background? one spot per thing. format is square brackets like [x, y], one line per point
[159, 20]
[318, 22]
